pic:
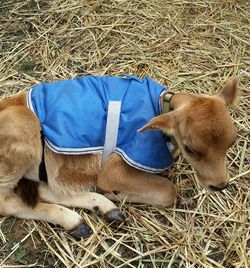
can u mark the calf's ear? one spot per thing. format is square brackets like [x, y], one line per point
[230, 92]
[164, 122]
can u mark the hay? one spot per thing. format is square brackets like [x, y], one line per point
[189, 45]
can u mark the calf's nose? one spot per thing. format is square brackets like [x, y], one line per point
[219, 187]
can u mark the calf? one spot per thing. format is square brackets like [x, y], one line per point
[198, 124]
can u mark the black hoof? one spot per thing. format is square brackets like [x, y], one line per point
[82, 230]
[114, 215]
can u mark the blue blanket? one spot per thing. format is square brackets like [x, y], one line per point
[73, 116]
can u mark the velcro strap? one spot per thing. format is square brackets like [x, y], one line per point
[112, 126]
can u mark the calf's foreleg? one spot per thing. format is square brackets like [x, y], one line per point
[88, 200]
[119, 181]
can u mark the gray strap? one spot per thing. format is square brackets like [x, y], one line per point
[112, 126]
[165, 101]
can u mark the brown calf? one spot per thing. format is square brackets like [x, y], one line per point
[199, 124]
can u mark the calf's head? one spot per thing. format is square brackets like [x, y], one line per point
[202, 128]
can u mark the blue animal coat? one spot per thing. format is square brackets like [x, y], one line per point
[73, 116]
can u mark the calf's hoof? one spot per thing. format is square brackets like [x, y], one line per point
[82, 230]
[114, 215]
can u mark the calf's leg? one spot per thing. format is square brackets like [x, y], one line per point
[12, 205]
[88, 200]
[20, 150]
[118, 180]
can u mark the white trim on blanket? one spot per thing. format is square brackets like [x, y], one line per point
[76, 151]
[160, 102]
[29, 102]
[136, 165]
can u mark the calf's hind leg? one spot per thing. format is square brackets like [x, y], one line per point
[12, 205]
[118, 180]
[20, 149]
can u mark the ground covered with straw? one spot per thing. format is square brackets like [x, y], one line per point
[192, 46]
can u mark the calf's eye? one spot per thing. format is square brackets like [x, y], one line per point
[188, 150]
[191, 152]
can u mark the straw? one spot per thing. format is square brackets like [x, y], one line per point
[191, 46]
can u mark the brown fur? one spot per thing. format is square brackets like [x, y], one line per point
[199, 124]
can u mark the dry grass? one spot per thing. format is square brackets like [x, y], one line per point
[189, 45]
